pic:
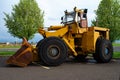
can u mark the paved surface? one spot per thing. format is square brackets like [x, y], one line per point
[70, 70]
[117, 49]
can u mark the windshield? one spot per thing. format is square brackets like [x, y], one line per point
[68, 18]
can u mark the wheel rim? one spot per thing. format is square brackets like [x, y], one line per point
[53, 52]
[106, 51]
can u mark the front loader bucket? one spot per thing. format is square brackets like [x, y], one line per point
[23, 56]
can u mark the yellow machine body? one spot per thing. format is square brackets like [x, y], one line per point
[75, 34]
[87, 37]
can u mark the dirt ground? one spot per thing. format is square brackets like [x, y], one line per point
[70, 70]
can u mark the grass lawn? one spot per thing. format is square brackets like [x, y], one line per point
[7, 53]
[116, 44]
[115, 54]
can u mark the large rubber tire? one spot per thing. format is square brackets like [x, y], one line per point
[104, 51]
[39, 43]
[38, 46]
[52, 51]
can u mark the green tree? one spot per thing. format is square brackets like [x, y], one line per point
[108, 15]
[25, 19]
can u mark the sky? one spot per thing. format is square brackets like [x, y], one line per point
[54, 10]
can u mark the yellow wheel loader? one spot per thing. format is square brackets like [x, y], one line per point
[72, 38]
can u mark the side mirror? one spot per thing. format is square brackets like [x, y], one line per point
[84, 15]
[61, 18]
[85, 10]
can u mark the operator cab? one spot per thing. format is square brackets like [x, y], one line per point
[78, 16]
[68, 18]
